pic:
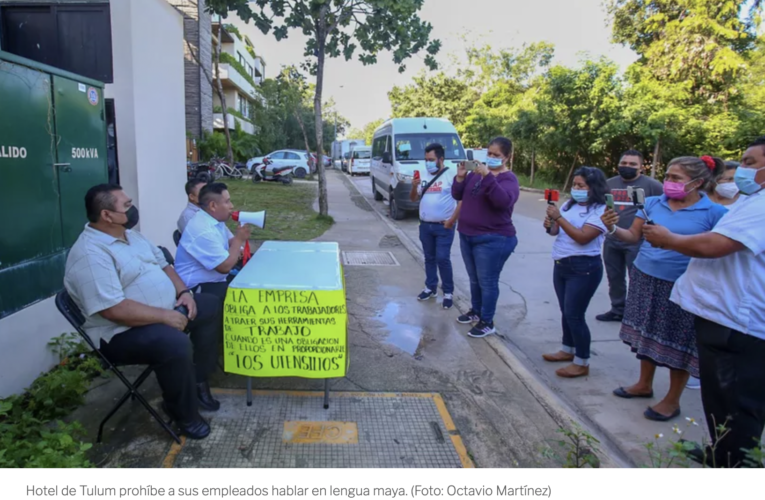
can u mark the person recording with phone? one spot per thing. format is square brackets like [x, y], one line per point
[578, 267]
[619, 256]
[438, 214]
[658, 331]
[487, 234]
[127, 292]
[724, 289]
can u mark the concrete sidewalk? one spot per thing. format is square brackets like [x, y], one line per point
[398, 346]
[528, 320]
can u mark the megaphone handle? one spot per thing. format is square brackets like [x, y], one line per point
[246, 254]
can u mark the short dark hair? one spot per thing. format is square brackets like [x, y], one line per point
[207, 193]
[192, 184]
[505, 145]
[598, 187]
[436, 148]
[99, 198]
[732, 165]
[633, 152]
[760, 141]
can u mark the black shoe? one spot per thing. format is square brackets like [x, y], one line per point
[470, 317]
[482, 329]
[611, 317]
[448, 301]
[206, 400]
[426, 294]
[194, 428]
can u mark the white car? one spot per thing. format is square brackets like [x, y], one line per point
[298, 160]
[360, 160]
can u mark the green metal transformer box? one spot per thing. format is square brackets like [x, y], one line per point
[52, 150]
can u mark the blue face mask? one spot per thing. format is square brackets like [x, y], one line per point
[580, 195]
[432, 166]
[493, 163]
[745, 180]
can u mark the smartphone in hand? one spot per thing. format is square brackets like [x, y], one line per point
[471, 165]
[610, 201]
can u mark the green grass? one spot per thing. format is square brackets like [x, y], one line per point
[290, 215]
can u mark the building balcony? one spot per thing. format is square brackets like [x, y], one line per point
[232, 121]
[230, 78]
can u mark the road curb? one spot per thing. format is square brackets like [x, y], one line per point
[564, 413]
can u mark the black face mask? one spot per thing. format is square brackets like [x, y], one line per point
[628, 173]
[132, 217]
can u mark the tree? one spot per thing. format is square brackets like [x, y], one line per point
[438, 96]
[338, 28]
[367, 132]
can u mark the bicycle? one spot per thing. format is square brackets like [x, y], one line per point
[222, 169]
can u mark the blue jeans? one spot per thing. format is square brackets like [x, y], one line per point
[576, 279]
[485, 256]
[437, 246]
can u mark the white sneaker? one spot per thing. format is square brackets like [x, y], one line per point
[693, 383]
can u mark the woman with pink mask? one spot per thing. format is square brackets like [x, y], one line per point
[658, 331]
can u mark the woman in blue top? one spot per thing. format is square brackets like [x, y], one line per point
[657, 330]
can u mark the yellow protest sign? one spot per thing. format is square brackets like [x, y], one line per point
[285, 333]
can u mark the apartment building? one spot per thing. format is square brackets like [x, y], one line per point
[240, 71]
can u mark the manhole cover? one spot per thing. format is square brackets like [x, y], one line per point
[369, 259]
[292, 429]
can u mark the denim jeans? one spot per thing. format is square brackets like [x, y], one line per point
[437, 246]
[485, 256]
[576, 279]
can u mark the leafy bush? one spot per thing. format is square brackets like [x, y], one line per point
[29, 436]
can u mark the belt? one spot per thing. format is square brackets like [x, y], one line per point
[430, 222]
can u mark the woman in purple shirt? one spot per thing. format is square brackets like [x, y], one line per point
[487, 234]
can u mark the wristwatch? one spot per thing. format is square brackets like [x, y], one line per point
[189, 291]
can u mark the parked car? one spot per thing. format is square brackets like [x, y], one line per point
[301, 161]
[398, 149]
[359, 161]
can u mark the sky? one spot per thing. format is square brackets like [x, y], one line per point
[575, 27]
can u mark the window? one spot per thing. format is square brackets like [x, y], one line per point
[380, 146]
[364, 154]
[412, 146]
[279, 155]
[243, 106]
[241, 59]
[292, 156]
[74, 37]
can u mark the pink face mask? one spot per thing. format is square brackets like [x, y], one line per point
[675, 190]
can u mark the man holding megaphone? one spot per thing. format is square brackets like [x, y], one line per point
[207, 253]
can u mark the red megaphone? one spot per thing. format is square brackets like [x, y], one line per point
[246, 254]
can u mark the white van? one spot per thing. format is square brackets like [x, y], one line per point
[398, 149]
[359, 160]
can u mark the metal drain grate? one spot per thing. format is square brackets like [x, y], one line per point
[369, 259]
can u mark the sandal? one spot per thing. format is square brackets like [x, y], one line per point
[622, 393]
[654, 415]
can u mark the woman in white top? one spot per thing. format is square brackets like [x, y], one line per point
[578, 265]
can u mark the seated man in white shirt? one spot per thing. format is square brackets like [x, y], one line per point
[724, 286]
[127, 291]
[192, 192]
[207, 252]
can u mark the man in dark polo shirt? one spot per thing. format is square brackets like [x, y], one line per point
[618, 256]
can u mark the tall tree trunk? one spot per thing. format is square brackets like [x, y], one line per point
[222, 97]
[512, 157]
[569, 177]
[533, 157]
[656, 157]
[302, 128]
[321, 40]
